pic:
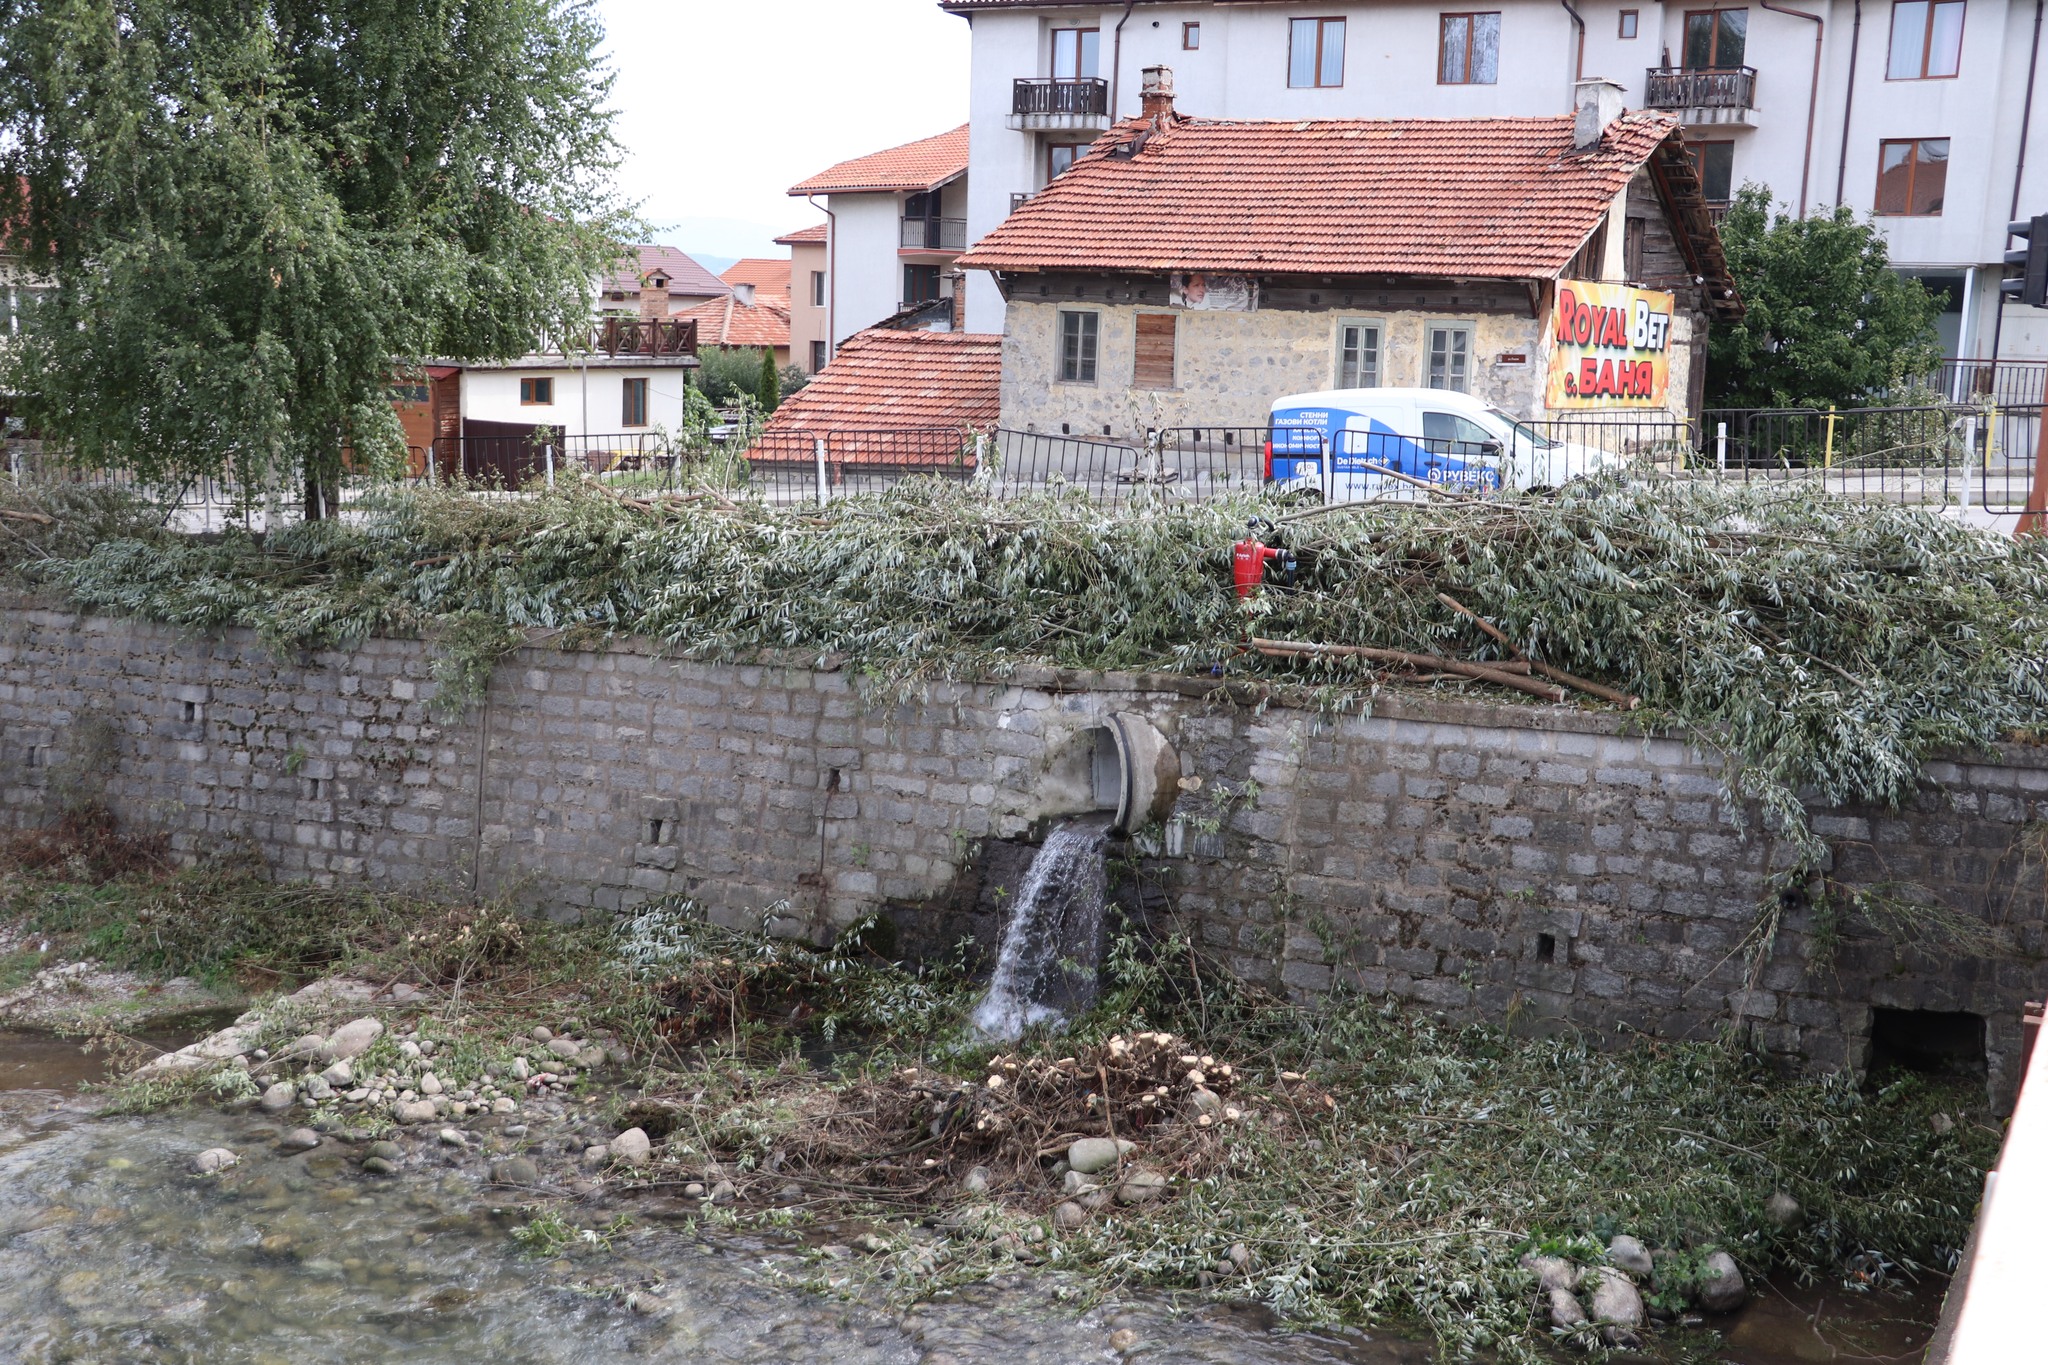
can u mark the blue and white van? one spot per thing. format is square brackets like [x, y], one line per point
[1436, 436]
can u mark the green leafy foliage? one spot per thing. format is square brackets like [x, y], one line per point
[725, 373]
[1826, 647]
[768, 385]
[1828, 322]
[255, 212]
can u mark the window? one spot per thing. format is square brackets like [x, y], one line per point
[1629, 21]
[1075, 52]
[920, 283]
[1635, 241]
[1715, 38]
[1468, 49]
[1912, 174]
[1060, 155]
[1714, 162]
[633, 406]
[1077, 347]
[1446, 433]
[1190, 37]
[1450, 358]
[817, 289]
[818, 356]
[1315, 53]
[1154, 368]
[1927, 40]
[533, 392]
[1358, 355]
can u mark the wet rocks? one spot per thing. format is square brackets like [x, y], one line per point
[377, 1165]
[278, 1098]
[342, 1075]
[1721, 1288]
[515, 1170]
[1782, 1209]
[565, 1048]
[214, 1159]
[414, 1111]
[632, 1147]
[1552, 1272]
[299, 1140]
[1566, 1311]
[452, 1138]
[1068, 1215]
[430, 1084]
[1628, 1254]
[1090, 1155]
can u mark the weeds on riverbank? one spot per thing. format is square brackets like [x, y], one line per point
[1353, 1162]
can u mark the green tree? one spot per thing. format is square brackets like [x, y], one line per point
[256, 212]
[1828, 321]
[768, 388]
[725, 372]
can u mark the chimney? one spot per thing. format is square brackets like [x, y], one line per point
[744, 294]
[958, 280]
[654, 295]
[1156, 92]
[1599, 104]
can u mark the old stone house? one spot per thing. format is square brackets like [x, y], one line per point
[1188, 271]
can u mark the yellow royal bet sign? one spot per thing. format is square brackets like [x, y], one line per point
[1610, 347]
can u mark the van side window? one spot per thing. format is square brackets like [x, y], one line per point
[1358, 355]
[1448, 433]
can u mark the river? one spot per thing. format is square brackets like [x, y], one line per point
[112, 1251]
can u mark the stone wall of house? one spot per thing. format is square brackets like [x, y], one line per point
[1231, 366]
[1531, 864]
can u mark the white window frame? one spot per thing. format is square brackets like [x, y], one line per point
[1430, 332]
[1379, 353]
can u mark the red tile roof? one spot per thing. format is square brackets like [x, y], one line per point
[921, 165]
[728, 322]
[926, 387]
[767, 274]
[685, 276]
[815, 234]
[1504, 198]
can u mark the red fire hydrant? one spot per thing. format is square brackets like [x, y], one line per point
[1249, 558]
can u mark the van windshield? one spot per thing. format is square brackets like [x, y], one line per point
[1524, 430]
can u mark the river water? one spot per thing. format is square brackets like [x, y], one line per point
[112, 1251]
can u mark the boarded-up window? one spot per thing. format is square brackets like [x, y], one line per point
[1155, 365]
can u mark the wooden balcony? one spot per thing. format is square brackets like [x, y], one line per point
[1059, 104]
[1703, 96]
[933, 234]
[651, 337]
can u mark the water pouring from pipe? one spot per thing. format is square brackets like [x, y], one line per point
[1046, 964]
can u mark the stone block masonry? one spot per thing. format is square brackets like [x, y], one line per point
[1538, 866]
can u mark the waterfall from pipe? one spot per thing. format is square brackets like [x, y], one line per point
[1051, 948]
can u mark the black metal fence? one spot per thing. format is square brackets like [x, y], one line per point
[1973, 458]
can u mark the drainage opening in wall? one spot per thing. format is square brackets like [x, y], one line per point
[1123, 766]
[1932, 1042]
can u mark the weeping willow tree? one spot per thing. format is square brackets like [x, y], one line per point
[254, 212]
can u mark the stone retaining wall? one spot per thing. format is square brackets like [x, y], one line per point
[1531, 864]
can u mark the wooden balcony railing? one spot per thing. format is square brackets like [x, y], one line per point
[650, 337]
[1671, 87]
[1087, 95]
[934, 234]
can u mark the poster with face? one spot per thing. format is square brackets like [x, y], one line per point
[1214, 293]
[1610, 347]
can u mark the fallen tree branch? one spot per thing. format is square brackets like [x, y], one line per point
[1296, 648]
[1622, 699]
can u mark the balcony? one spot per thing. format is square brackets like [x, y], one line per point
[1019, 198]
[1059, 104]
[613, 337]
[934, 234]
[1703, 96]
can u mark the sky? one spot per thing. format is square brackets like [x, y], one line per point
[724, 104]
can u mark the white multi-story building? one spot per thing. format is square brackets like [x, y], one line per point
[1918, 111]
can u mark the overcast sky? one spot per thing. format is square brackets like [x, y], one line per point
[724, 104]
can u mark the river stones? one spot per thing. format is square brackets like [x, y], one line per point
[976, 1183]
[430, 1084]
[1141, 1187]
[565, 1048]
[1089, 1155]
[414, 1111]
[317, 1089]
[1551, 1272]
[353, 1039]
[590, 1058]
[1626, 1253]
[521, 1068]
[1565, 1309]
[516, 1170]
[385, 1149]
[1067, 1214]
[1782, 1209]
[632, 1147]
[342, 1075]
[1617, 1307]
[299, 1140]
[278, 1098]
[377, 1165]
[1721, 1287]
[214, 1159]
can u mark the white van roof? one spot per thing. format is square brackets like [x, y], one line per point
[1367, 399]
